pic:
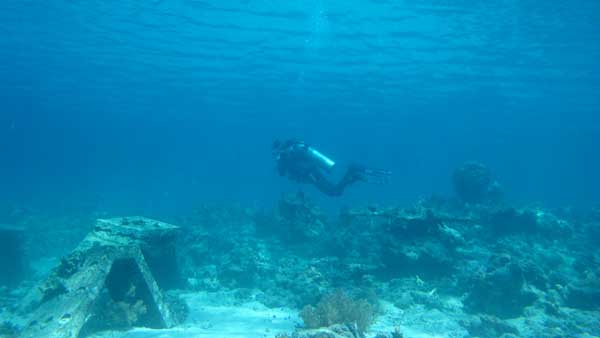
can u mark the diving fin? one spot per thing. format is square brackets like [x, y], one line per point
[376, 176]
[372, 175]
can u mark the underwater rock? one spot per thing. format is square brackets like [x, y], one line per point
[506, 221]
[428, 258]
[105, 283]
[298, 282]
[12, 264]
[409, 292]
[245, 265]
[536, 322]
[414, 223]
[421, 221]
[551, 226]
[301, 220]
[473, 183]
[395, 334]
[544, 263]
[489, 326]
[356, 238]
[333, 331]
[7, 330]
[500, 290]
[231, 256]
[418, 321]
[585, 297]
[401, 242]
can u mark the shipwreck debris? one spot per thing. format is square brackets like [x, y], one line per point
[106, 283]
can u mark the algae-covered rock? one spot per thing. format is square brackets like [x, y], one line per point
[301, 220]
[333, 331]
[583, 296]
[490, 326]
[402, 242]
[473, 183]
[500, 290]
[509, 220]
[429, 258]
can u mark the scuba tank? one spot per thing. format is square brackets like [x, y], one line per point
[322, 160]
[291, 147]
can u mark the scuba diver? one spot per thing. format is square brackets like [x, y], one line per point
[304, 164]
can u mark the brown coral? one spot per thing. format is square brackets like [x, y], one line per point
[339, 308]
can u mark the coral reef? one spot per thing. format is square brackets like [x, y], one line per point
[478, 268]
[473, 183]
[500, 289]
[440, 267]
[339, 308]
[300, 219]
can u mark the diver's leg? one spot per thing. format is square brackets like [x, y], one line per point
[325, 186]
[335, 189]
[354, 173]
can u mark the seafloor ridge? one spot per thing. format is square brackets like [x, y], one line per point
[470, 266]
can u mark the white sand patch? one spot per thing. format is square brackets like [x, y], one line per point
[216, 315]
[416, 322]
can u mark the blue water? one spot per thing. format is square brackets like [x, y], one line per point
[151, 106]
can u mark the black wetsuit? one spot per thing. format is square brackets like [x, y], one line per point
[295, 162]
